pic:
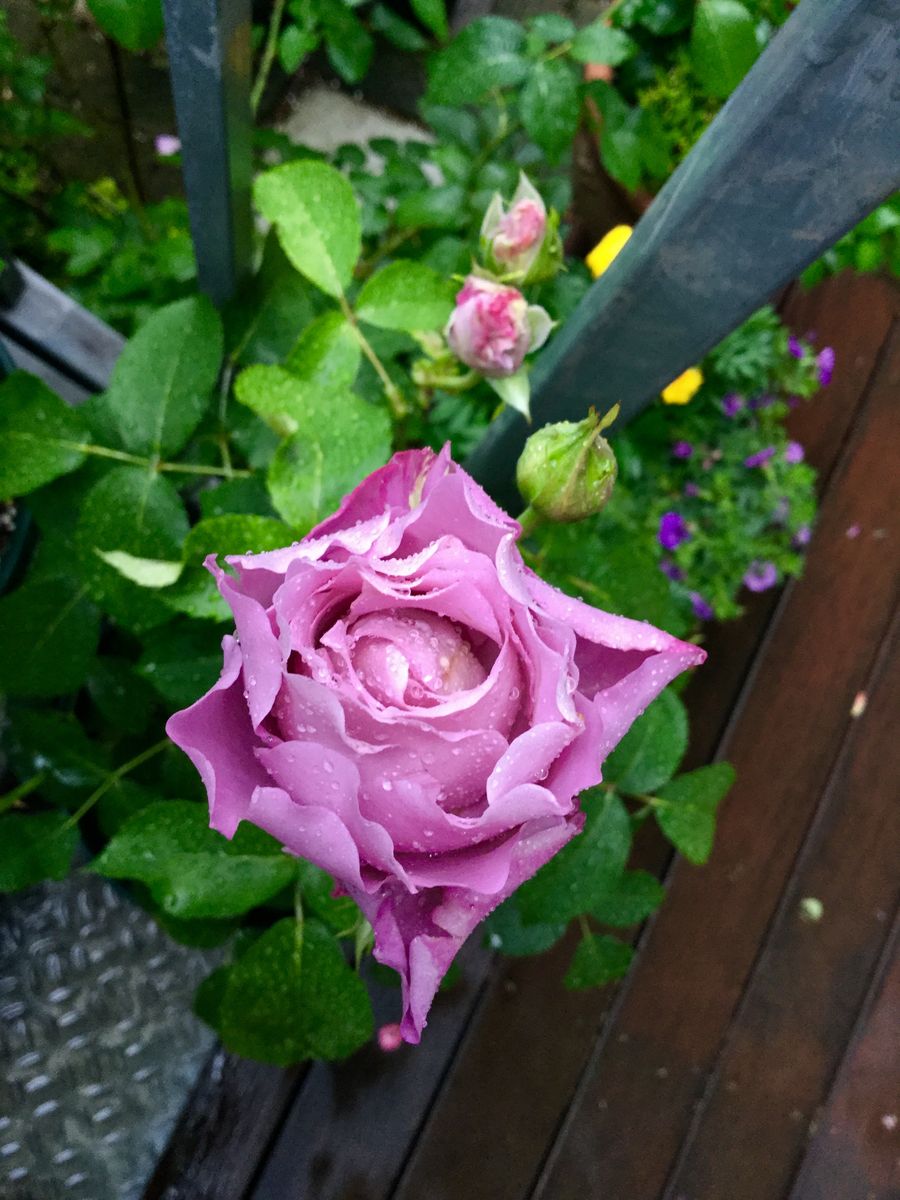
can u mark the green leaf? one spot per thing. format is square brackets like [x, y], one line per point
[292, 997]
[550, 105]
[134, 24]
[600, 43]
[433, 14]
[181, 661]
[326, 354]
[236, 496]
[133, 511]
[145, 572]
[630, 899]
[48, 636]
[34, 847]
[649, 753]
[192, 871]
[124, 700]
[397, 31]
[488, 53]
[266, 317]
[310, 475]
[280, 398]
[440, 207]
[315, 212]
[552, 28]
[54, 744]
[294, 44]
[688, 815]
[338, 913]
[161, 384]
[209, 996]
[723, 45]
[348, 43]
[39, 435]
[406, 295]
[599, 959]
[577, 878]
[237, 533]
[507, 932]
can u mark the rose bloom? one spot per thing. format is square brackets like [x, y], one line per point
[406, 705]
[493, 327]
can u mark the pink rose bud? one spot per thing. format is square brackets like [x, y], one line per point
[390, 1038]
[408, 706]
[520, 241]
[493, 327]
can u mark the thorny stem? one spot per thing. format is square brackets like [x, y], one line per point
[112, 779]
[268, 54]
[529, 520]
[395, 399]
[24, 789]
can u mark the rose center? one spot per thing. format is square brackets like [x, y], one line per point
[413, 657]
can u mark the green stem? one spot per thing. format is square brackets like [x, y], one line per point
[366, 266]
[24, 789]
[529, 520]
[298, 926]
[268, 54]
[138, 461]
[113, 778]
[395, 399]
[586, 932]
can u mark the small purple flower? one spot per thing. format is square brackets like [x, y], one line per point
[853, 531]
[825, 363]
[691, 490]
[781, 511]
[760, 458]
[732, 404]
[702, 610]
[682, 450]
[795, 347]
[671, 570]
[672, 531]
[166, 144]
[793, 453]
[801, 537]
[761, 576]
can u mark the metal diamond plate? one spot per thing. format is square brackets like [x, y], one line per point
[98, 1042]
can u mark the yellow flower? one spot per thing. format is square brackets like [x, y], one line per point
[684, 388]
[606, 249]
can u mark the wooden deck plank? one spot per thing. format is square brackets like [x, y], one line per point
[799, 1011]
[856, 1153]
[635, 1103]
[349, 1130]
[224, 1131]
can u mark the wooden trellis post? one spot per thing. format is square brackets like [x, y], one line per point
[210, 61]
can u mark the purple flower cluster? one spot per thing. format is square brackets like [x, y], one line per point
[682, 449]
[825, 364]
[793, 453]
[760, 576]
[760, 458]
[732, 404]
[672, 531]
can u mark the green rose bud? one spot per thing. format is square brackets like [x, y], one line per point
[567, 471]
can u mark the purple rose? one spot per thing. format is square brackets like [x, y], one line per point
[682, 449]
[672, 531]
[760, 458]
[409, 707]
[825, 364]
[493, 327]
[761, 576]
[793, 453]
